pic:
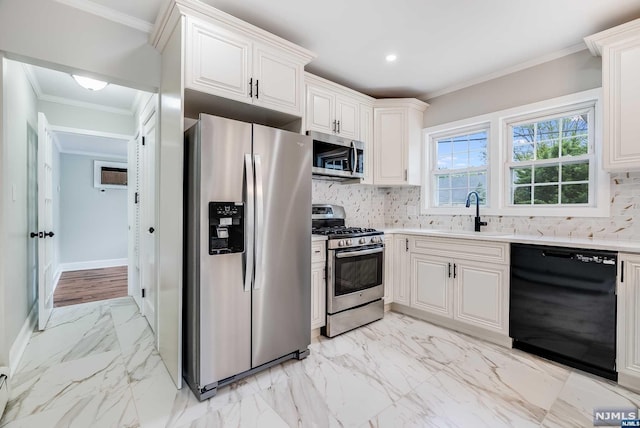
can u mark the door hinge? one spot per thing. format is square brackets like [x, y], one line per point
[143, 293]
[143, 141]
[406, 244]
[136, 198]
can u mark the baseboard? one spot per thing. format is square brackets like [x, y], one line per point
[56, 277]
[19, 345]
[93, 264]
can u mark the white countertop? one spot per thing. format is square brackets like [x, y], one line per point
[315, 238]
[595, 244]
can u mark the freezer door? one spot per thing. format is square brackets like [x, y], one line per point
[281, 306]
[225, 305]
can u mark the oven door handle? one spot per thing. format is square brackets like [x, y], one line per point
[344, 254]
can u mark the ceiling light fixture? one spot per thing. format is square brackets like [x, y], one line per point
[391, 57]
[89, 83]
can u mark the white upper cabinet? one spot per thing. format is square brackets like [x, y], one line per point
[620, 51]
[231, 59]
[397, 141]
[334, 109]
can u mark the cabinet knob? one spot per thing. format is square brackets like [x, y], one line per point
[151, 230]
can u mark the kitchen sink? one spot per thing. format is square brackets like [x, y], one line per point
[467, 232]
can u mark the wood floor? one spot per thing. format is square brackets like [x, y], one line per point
[84, 286]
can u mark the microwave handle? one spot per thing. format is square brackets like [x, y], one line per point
[354, 158]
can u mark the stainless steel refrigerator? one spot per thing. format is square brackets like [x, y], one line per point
[247, 250]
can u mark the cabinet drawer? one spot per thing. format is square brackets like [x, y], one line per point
[484, 251]
[318, 252]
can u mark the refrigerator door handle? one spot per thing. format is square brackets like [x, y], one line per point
[259, 228]
[250, 223]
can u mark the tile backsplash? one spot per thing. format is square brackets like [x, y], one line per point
[399, 207]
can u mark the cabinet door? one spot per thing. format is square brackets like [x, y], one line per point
[278, 81]
[318, 295]
[482, 295]
[347, 117]
[401, 292]
[628, 338]
[388, 269]
[217, 61]
[430, 284]
[366, 136]
[320, 110]
[390, 146]
[621, 105]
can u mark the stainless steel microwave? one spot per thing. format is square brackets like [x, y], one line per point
[336, 156]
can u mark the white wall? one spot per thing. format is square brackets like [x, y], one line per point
[567, 75]
[93, 223]
[19, 112]
[86, 118]
[51, 33]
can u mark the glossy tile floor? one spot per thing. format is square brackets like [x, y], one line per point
[96, 366]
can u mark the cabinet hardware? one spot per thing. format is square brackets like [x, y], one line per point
[334, 126]
[143, 293]
[622, 271]
[151, 230]
[257, 88]
[251, 88]
[455, 270]
[143, 141]
[33, 235]
[338, 127]
[405, 175]
[136, 198]
[406, 244]
[449, 270]
[48, 234]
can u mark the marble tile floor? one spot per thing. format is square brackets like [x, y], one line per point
[96, 366]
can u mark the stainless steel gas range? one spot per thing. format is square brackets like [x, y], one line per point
[355, 261]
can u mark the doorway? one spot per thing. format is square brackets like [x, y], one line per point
[99, 242]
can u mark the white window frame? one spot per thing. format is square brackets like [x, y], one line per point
[431, 191]
[499, 180]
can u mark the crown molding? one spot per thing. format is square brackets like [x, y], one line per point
[509, 70]
[109, 14]
[98, 153]
[597, 41]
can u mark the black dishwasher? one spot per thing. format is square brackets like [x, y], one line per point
[563, 306]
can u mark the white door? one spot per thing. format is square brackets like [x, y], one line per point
[320, 110]
[45, 222]
[148, 271]
[278, 81]
[347, 117]
[431, 284]
[401, 292]
[133, 194]
[390, 147]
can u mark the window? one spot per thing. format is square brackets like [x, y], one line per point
[109, 175]
[551, 159]
[539, 159]
[461, 164]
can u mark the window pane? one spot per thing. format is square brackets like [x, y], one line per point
[575, 146]
[546, 174]
[478, 181]
[477, 159]
[459, 180]
[522, 195]
[575, 194]
[460, 144]
[478, 141]
[575, 125]
[523, 134]
[548, 150]
[443, 181]
[459, 196]
[523, 152]
[545, 195]
[444, 154]
[575, 172]
[444, 197]
[548, 130]
[521, 175]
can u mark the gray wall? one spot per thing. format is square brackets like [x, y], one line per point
[573, 73]
[50, 33]
[93, 223]
[20, 111]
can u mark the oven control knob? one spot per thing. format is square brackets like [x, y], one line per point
[349, 242]
[362, 240]
[341, 243]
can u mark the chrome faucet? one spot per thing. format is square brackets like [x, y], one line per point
[478, 223]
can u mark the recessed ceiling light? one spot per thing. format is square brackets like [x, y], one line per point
[391, 57]
[89, 83]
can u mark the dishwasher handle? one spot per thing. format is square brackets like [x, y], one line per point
[558, 254]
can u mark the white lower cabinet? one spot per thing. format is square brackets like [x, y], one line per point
[388, 269]
[459, 283]
[628, 339]
[318, 285]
